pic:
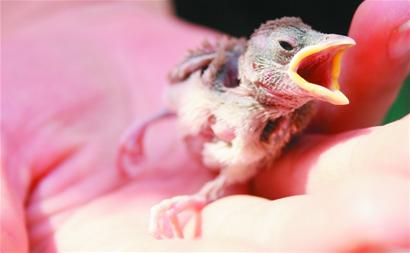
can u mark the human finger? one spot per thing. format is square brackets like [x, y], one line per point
[315, 162]
[373, 70]
[367, 212]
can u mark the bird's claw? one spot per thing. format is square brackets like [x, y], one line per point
[164, 221]
[130, 154]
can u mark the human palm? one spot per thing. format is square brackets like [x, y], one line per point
[71, 90]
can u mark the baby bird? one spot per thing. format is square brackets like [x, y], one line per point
[245, 100]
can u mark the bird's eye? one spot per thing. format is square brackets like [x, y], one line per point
[285, 45]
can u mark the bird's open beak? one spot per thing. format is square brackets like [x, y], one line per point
[316, 68]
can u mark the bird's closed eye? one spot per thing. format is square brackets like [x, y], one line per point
[285, 45]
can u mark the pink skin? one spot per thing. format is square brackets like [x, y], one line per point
[131, 146]
[387, 56]
[71, 89]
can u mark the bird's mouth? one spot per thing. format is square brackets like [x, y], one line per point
[316, 68]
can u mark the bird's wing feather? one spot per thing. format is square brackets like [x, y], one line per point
[218, 63]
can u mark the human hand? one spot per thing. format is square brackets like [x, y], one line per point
[70, 91]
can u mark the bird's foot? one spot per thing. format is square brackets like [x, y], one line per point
[131, 148]
[130, 154]
[164, 217]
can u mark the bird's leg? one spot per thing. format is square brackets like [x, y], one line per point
[215, 153]
[164, 221]
[131, 148]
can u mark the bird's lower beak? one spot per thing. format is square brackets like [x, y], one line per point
[316, 68]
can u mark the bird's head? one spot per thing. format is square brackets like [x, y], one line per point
[287, 63]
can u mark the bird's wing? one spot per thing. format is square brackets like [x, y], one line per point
[218, 63]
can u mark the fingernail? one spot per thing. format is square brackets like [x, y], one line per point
[399, 42]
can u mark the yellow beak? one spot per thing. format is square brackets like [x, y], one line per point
[316, 68]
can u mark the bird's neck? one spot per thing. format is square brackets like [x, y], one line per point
[280, 100]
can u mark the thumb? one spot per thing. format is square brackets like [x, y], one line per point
[374, 69]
